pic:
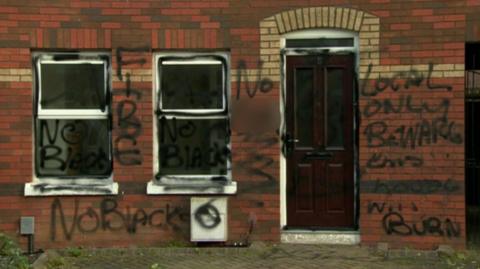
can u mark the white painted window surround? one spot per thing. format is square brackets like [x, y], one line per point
[64, 184]
[178, 183]
[309, 34]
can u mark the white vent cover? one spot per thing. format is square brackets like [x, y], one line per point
[208, 220]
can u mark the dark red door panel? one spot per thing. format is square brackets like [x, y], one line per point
[319, 117]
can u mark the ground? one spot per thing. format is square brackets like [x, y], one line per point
[287, 256]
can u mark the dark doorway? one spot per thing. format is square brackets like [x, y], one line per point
[472, 141]
[319, 118]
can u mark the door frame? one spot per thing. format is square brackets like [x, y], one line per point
[284, 52]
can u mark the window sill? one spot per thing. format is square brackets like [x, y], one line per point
[44, 189]
[154, 187]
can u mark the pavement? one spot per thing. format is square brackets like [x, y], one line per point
[258, 255]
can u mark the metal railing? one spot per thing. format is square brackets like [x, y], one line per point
[472, 156]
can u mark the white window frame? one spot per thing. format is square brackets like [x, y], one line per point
[81, 185]
[190, 184]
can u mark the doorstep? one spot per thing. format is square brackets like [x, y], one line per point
[320, 237]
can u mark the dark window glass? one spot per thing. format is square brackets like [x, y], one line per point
[304, 100]
[72, 86]
[72, 148]
[196, 86]
[335, 108]
[472, 56]
[319, 42]
[193, 146]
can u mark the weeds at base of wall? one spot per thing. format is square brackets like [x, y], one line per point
[75, 252]
[156, 266]
[462, 259]
[56, 263]
[11, 255]
[62, 259]
[177, 244]
[441, 259]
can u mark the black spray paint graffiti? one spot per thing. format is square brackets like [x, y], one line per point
[411, 78]
[110, 218]
[130, 127]
[256, 163]
[394, 223]
[380, 160]
[422, 186]
[193, 141]
[255, 122]
[423, 132]
[263, 85]
[207, 215]
[191, 145]
[405, 104]
[380, 207]
[72, 147]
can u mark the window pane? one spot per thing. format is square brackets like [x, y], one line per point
[304, 100]
[72, 86]
[193, 146]
[335, 107]
[196, 86]
[319, 42]
[73, 148]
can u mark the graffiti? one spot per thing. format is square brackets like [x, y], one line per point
[193, 121]
[422, 186]
[207, 215]
[193, 144]
[264, 85]
[110, 218]
[394, 223]
[254, 162]
[381, 160]
[424, 132]
[257, 164]
[380, 207]
[405, 104]
[121, 62]
[173, 130]
[130, 127]
[254, 124]
[418, 133]
[199, 143]
[172, 156]
[410, 78]
[71, 147]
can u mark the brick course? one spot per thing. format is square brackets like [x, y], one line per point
[394, 37]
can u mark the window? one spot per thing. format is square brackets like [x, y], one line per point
[72, 138]
[192, 141]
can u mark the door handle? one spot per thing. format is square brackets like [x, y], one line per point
[318, 155]
[288, 142]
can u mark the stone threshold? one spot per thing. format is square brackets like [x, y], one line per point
[320, 237]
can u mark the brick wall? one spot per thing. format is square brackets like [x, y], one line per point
[398, 41]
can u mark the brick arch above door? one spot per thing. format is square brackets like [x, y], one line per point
[272, 28]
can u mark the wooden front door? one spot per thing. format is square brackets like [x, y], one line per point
[319, 141]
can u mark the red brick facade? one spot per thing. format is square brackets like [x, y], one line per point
[411, 114]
